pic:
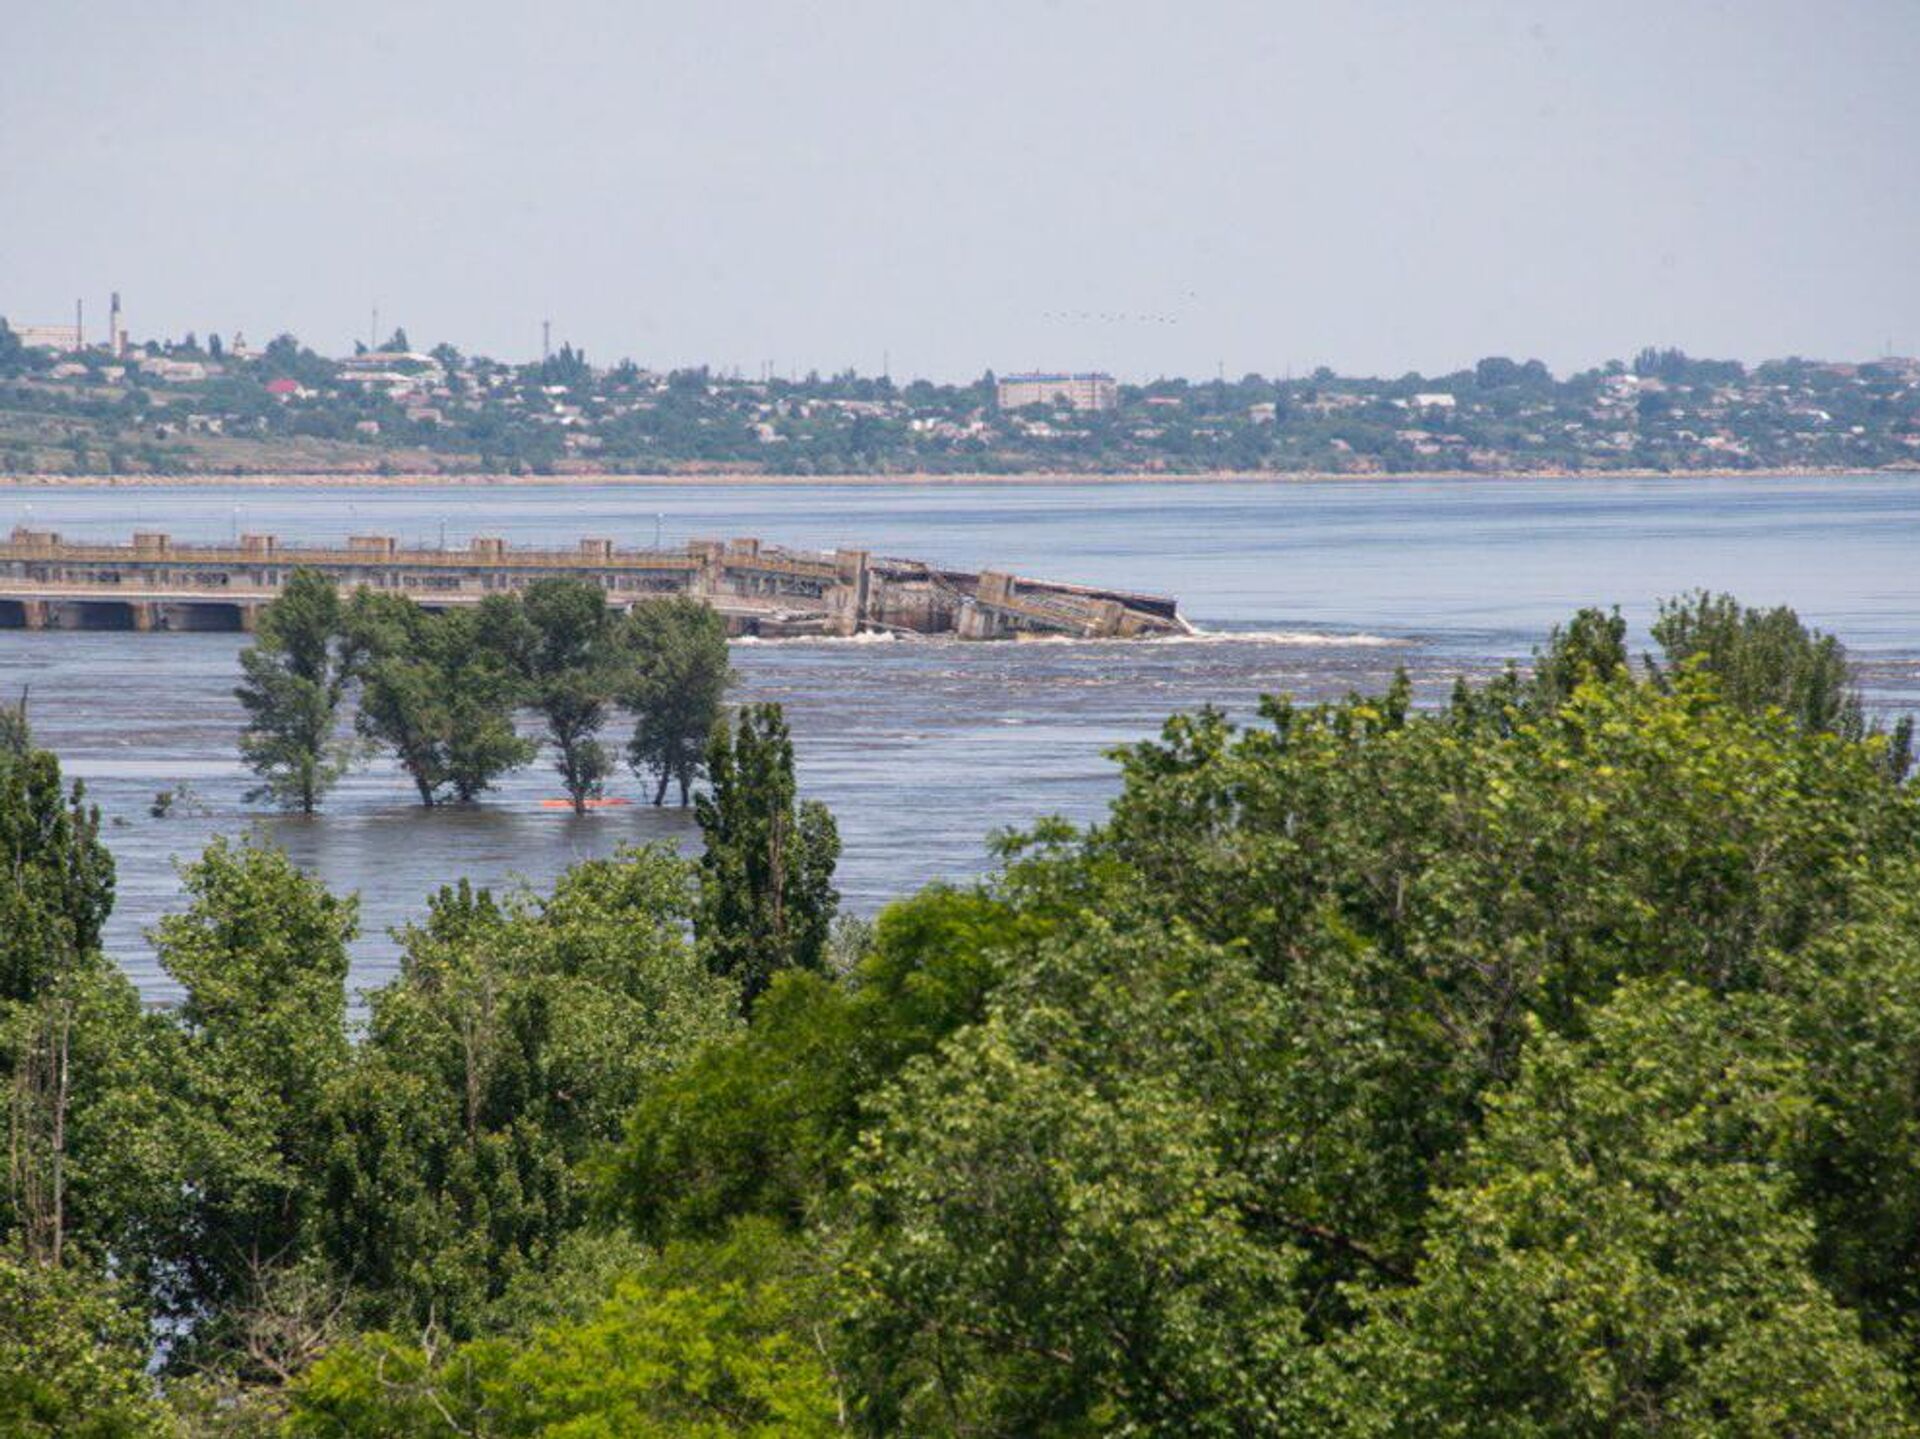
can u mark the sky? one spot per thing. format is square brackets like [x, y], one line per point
[939, 189]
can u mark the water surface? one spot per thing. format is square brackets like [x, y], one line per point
[922, 748]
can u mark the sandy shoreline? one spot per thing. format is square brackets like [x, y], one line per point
[330, 480]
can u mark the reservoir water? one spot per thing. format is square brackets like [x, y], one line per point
[923, 748]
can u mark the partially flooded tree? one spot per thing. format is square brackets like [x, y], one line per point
[294, 678]
[435, 696]
[568, 665]
[679, 674]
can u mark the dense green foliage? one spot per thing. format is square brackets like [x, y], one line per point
[1767, 658]
[766, 876]
[56, 878]
[1540, 1064]
[72, 1359]
[259, 1042]
[512, 1045]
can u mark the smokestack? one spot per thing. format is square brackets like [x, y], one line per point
[116, 336]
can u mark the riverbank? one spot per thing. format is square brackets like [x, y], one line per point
[734, 479]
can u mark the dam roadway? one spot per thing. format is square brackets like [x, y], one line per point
[154, 583]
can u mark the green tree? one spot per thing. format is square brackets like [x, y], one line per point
[1591, 648]
[767, 899]
[512, 1045]
[1623, 1255]
[294, 678]
[1060, 1228]
[435, 695]
[679, 676]
[715, 1342]
[57, 1035]
[56, 877]
[94, 1170]
[1764, 658]
[260, 955]
[72, 1359]
[568, 661]
[764, 1121]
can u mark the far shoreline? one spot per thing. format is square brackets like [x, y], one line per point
[331, 479]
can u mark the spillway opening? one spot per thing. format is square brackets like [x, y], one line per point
[97, 615]
[203, 618]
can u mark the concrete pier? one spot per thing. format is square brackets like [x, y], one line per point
[156, 584]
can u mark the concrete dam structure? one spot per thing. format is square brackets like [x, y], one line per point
[156, 583]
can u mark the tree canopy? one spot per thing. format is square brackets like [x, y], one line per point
[1539, 1063]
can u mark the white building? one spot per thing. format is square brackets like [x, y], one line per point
[1079, 392]
[59, 338]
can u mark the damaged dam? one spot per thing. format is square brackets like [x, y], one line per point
[155, 583]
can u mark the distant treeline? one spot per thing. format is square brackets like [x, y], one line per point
[1543, 1063]
[189, 405]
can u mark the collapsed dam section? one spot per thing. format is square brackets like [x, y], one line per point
[155, 583]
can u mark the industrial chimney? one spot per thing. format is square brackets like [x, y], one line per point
[116, 336]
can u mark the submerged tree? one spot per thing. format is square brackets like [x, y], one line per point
[767, 899]
[435, 695]
[567, 661]
[294, 677]
[680, 674]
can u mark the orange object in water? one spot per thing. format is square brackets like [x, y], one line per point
[611, 803]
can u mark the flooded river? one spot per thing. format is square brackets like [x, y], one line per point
[924, 747]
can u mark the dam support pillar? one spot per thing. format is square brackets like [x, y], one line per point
[709, 579]
[848, 601]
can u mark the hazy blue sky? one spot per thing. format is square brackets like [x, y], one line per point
[1146, 188]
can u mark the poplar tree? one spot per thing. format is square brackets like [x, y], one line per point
[56, 877]
[767, 899]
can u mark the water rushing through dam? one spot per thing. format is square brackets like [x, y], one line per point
[924, 746]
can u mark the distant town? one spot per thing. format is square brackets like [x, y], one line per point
[72, 403]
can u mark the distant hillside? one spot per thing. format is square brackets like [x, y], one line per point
[188, 408]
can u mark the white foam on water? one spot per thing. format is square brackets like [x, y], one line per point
[865, 637]
[1297, 639]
